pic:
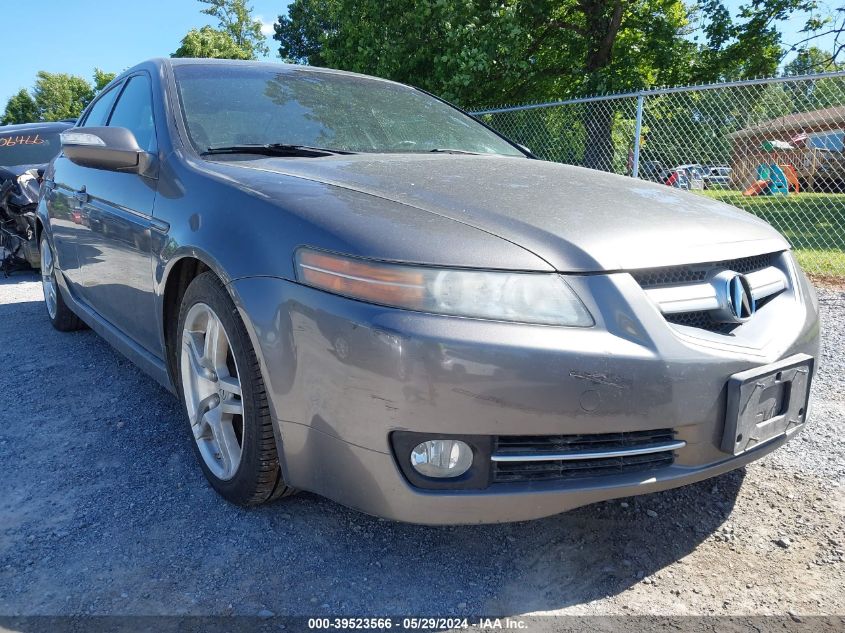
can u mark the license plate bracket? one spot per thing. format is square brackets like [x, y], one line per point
[767, 401]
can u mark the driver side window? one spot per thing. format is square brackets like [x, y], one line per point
[134, 111]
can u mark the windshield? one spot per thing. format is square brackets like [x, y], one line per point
[241, 105]
[28, 148]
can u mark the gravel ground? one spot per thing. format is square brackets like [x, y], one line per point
[104, 511]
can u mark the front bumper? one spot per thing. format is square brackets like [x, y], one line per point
[342, 375]
[369, 481]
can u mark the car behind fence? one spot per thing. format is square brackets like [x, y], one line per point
[773, 147]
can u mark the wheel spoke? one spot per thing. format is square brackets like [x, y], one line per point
[195, 355]
[47, 261]
[232, 406]
[215, 344]
[200, 430]
[204, 406]
[229, 384]
[228, 451]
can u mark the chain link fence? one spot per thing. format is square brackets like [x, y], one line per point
[773, 147]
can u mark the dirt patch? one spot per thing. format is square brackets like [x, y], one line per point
[828, 282]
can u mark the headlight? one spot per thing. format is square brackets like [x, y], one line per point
[543, 298]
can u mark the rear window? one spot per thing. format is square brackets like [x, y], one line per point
[28, 148]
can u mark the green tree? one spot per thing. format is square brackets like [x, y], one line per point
[824, 26]
[811, 60]
[54, 96]
[235, 18]
[211, 43]
[478, 52]
[814, 95]
[302, 32]
[60, 96]
[748, 44]
[102, 79]
[20, 109]
[486, 52]
[483, 51]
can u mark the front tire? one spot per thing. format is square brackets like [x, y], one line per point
[61, 316]
[220, 384]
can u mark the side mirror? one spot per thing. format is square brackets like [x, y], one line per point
[109, 148]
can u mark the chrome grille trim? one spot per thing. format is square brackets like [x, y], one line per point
[700, 297]
[579, 455]
[767, 282]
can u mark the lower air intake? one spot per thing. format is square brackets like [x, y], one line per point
[530, 458]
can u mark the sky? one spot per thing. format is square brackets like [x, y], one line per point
[790, 29]
[75, 36]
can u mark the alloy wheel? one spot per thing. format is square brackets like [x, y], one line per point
[48, 279]
[212, 391]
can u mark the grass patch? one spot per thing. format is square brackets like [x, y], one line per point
[814, 223]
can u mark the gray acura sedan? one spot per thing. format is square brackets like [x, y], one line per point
[358, 290]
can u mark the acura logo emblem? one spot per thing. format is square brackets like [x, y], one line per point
[733, 292]
[735, 298]
[739, 297]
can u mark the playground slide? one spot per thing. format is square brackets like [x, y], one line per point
[773, 179]
[760, 187]
[777, 180]
[791, 177]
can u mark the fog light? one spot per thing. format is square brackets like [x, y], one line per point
[442, 458]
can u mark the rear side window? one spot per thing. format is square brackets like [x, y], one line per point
[99, 112]
[134, 111]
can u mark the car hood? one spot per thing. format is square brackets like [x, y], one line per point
[577, 220]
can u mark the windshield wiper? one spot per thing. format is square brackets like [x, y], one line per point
[449, 150]
[275, 149]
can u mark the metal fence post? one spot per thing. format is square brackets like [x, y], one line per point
[638, 126]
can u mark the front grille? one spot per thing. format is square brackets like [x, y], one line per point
[659, 279]
[533, 446]
[694, 273]
[512, 472]
[701, 320]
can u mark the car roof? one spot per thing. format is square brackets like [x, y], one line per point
[43, 126]
[175, 62]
